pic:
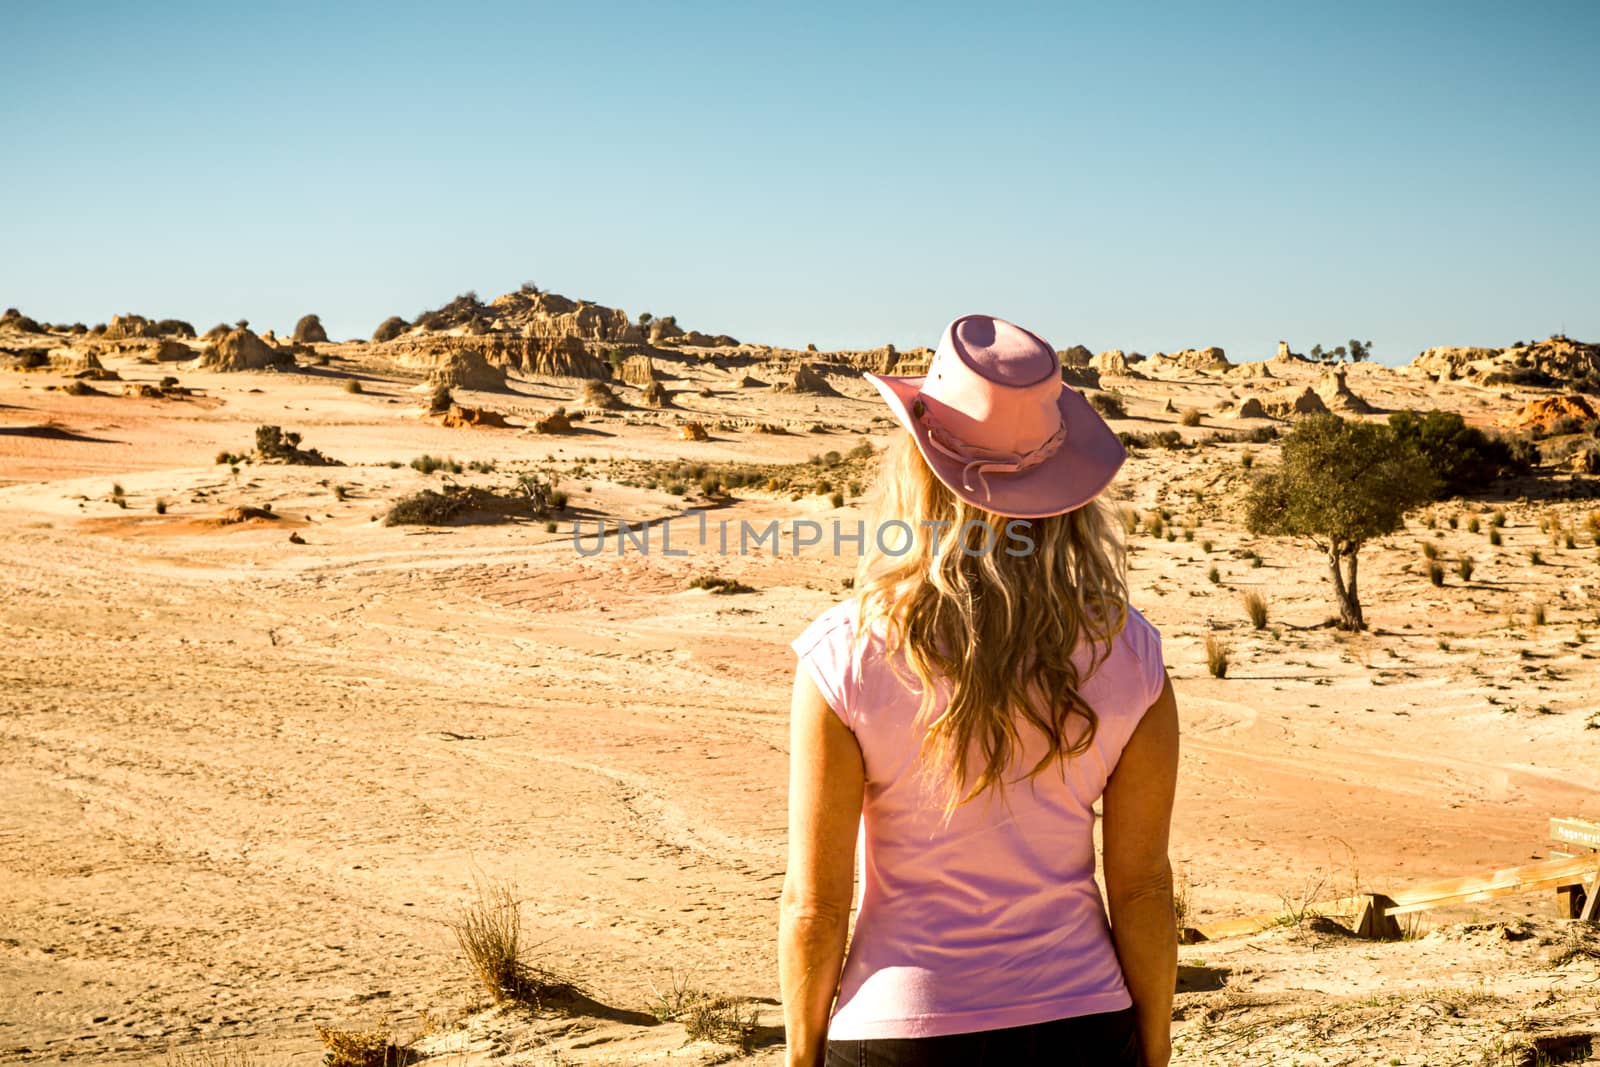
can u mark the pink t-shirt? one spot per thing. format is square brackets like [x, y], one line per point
[994, 920]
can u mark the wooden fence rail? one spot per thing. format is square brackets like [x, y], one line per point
[1575, 878]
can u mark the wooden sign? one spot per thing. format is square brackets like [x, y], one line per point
[1576, 832]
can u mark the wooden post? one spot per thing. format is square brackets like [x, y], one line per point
[1576, 900]
[1570, 901]
[1373, 922]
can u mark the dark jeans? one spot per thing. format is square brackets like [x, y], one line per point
[1108, 1039]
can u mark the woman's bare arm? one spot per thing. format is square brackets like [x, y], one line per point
[1138, 815]
[825, 783]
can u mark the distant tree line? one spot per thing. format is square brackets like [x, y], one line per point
[1353, 350]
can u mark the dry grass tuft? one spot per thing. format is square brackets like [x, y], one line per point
[489, 931]
[361, 1048]
[219, 1054]
[1255, 605]
[720, 586]
[1217, 652]
[725, 1020]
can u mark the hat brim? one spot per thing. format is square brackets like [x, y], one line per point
[1078, 472]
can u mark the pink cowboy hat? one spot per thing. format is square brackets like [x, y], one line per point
[999, 427]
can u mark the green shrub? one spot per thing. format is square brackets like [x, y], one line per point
[429, 464]
[1435, 572]
[1463, 458]
[1109, 405]
[1464, 568]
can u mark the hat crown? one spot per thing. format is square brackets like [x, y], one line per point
[1001, 352]
[994, 385]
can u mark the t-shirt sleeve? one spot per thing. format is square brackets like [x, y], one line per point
[1145, 641]
[826, 650]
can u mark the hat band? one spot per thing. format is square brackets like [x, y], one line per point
[979, 462]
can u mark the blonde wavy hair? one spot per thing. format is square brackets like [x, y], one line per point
[994, 629]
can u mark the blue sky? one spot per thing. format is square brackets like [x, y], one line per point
[1142, 176]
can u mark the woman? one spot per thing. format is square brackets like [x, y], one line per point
[965, 710]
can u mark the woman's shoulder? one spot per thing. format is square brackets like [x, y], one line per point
[834, 626]
[1141, 642]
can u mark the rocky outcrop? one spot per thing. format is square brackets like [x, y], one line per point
[806, 380]
[1335, 393]
[1558, 360]
[558, 421]
[636, 370]
[664, 330]
[465, 417]
[1113, 361]
[548, 315]
[466, 368]
[1451, 362]
[87, 365]
[693, 431]
[562, 357]
[696, 339]
[1544, 413]
[1197, 360]
[1250, 408]
[168, 351]
[240, 349]
[1291, 403]
[126, 327]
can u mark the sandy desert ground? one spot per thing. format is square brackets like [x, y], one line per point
[248, 780]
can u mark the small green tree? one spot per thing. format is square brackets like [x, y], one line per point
[1340, 485]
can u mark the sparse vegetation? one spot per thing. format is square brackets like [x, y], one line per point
[1108, 404]
[1217, 653]
[361, 1048]
[275, 445]
[724, 1020]
[1340, 484]
[1190, 417]
[719, 586]
[353, 386]
[429, 464]
[390, 328]
[1255, 606]
[1464, 568]
[1435, 572]
[489, 931]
